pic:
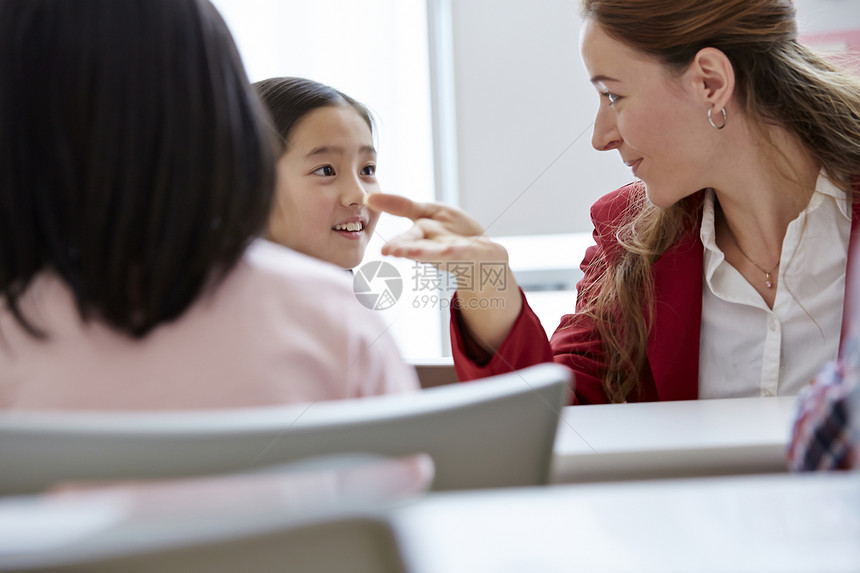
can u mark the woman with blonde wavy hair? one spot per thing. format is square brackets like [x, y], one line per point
[720, 272]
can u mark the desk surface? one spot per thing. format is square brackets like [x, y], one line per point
[780, 523]
[672, 439]
[776, 523]
[434, 371]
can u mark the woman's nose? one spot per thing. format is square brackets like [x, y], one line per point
[605, 136]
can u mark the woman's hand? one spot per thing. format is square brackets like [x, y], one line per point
[440, 234]
[443, 234]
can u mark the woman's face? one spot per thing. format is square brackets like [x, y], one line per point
[651, 118]
[328, 168]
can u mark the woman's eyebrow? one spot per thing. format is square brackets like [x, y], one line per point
[603, 78]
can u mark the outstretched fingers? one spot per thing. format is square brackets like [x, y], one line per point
[401, 206]
[440, 233]
[455, 220]
[424, 241]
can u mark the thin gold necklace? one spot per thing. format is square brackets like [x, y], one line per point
[767, 282]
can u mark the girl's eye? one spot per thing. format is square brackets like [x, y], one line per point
[369, 170]
[325, 170]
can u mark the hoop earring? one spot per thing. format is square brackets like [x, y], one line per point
[711, 121]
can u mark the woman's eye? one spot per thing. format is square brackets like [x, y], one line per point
[325, 170]
[613, 98]
[369, 170]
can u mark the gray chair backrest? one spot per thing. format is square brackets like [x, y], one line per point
[496, 432]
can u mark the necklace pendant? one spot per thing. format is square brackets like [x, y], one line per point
[767, 281]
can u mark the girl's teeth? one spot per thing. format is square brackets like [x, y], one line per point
[349, 227]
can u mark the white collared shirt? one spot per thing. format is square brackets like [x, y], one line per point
[747, 349]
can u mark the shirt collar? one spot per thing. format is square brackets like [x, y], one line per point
[708, 232]
[824, 187]
[713, 255]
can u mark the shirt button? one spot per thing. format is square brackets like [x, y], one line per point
[771, 324]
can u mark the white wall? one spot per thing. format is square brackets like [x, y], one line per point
[524, 116]
[819, 16]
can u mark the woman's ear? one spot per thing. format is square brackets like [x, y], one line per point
[713, 77]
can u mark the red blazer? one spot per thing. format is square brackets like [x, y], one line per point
[672, 371]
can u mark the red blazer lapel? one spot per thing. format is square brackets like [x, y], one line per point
[673, 343]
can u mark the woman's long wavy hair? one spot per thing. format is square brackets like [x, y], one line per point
[779, 82]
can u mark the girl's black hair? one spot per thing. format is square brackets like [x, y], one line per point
[290, 99]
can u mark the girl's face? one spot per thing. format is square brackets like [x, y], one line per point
[654, 121]
[328, 168]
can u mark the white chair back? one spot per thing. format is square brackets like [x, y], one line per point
[497, 432]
